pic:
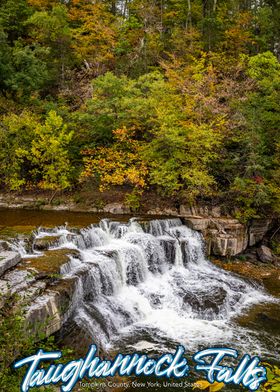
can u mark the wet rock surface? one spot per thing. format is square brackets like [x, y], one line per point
[263, 316]
[46, 242]
[4, 246]
[50, 262]
[266, 274]
[75, 336]
[116, 208]
[204, 304]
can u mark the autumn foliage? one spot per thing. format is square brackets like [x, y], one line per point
[178, 98]
[120, 164]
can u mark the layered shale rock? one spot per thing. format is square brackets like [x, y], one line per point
[224, 235]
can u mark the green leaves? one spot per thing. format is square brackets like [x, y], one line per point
[179, 158]
[179, 150]
[198, 83]
[30, 71]
[120, 101]
[262, 66]
[49, 153]
[40, 157]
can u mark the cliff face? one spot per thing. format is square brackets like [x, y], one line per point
[225, 236]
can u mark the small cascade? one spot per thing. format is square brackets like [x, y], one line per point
[148, 282]
[20, 247]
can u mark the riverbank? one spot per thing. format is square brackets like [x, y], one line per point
[114, 202]
[225, 235]
[266, 274]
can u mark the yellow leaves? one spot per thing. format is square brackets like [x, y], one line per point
[17, 123]
[94, 37]
[21, 152]
[42, 151]
[116, 165]
[216, 386]
[204, 384]
[273, 379]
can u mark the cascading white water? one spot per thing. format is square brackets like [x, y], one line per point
[149, 285]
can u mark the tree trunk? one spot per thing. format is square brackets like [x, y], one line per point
[204, 8]
[215, 5]
[189, 15]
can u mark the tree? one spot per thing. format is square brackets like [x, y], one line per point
[50, 29]
[16, 132]
[38, 152]
[180, 155]
[120, 164]
[94, 34]
[29, 70]
[13, 15]
[6, 67]
[49, 153]
[119, 102]
[255, 139]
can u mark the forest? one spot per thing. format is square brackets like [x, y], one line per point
[181, 97]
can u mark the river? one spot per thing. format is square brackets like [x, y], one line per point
[149, 286]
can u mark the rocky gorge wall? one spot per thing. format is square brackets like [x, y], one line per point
[224, 235]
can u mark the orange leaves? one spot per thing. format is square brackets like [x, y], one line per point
[94, 36]
[239, 36]
[123, 134]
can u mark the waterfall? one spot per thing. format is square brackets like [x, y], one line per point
[149, 284]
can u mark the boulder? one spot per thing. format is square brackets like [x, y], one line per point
[49, 311]
[205, 303]
[8, 259]
[200, 210]
[257, 230]
[198, 223]
[45, 243]
[116, 208]
[163, 211]
[4, 246]
[224, 236]
[265, 255]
